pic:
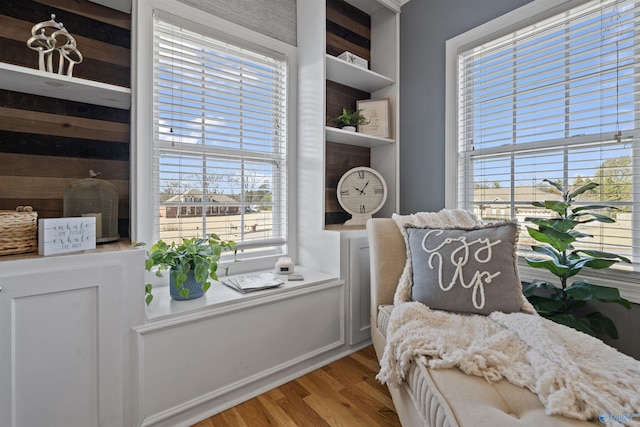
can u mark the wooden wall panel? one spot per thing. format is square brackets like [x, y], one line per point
[46, 143]
[340, 96]
[340, 158]
[348, 29]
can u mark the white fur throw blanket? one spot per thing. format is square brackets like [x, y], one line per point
[573, 374]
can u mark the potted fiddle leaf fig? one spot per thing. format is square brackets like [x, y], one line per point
[566, 304]
[191, 265]
[350, 119]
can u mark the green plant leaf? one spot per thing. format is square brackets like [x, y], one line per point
[573, 305]
[603, 324]
[559, 224]
[544, 305]
[551, 265]
[536, 204]
[578, 234]
[205, 286]
[599, 263]
[586, 291]
[560, 241]
[179, 279]
[580, 323]
[148, 295]
[583, 189]
[558, 187]
[594, 217]
[557, 206]
[184, 293]
[547, 250]
[530, 288]
[590, 207]
[201, 272]
[602, 254]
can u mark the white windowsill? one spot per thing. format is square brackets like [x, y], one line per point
[222, 298]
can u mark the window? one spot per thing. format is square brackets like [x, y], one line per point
[219, 139]
[552, 97]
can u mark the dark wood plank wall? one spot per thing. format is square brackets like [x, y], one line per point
[339, 159]
[348, 29]
[47, 143]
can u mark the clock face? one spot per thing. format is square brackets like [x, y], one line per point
[362, 191]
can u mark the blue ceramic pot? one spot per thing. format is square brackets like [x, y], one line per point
[195, 288]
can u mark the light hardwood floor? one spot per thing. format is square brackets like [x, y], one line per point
[344, 393]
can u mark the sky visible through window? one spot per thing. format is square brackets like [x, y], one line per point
[555, 101]
[539, 96]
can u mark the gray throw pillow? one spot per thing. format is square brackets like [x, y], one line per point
[468, 270]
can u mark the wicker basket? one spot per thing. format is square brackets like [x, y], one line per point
[18, 232]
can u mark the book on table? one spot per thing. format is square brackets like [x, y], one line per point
[252, 282]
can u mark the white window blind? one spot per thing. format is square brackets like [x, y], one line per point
[556, 100]
[219, 140]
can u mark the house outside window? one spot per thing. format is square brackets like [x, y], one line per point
[547, 92]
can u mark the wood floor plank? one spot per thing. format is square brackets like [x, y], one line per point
[295, 406]
[367, 357]
[366, 403]
[344, 393]
[351, 372]
[254, 413]
[205, 423]
[335, 408]
[382, 397]
[279, 415]
[231, 418]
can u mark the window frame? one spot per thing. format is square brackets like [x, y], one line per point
[627, 282]
[142, 202]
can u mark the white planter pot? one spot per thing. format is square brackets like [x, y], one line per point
[349, 128]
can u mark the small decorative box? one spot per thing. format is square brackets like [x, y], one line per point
[354, 59]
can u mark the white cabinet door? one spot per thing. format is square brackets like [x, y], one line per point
[359, 290]
[61, 341]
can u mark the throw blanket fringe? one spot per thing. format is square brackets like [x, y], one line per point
[573, 374]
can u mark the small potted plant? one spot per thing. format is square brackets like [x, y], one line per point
[348, 120]
[192, 264]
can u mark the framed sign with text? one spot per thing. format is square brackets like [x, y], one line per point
[61, 235]
[376, 111]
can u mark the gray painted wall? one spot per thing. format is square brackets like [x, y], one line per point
[425, 27]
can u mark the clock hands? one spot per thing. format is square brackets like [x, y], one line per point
[362, 191]
[365, 186]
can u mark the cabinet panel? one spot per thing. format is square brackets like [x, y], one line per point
[359, 291]
[62, 350]
[54, 350]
